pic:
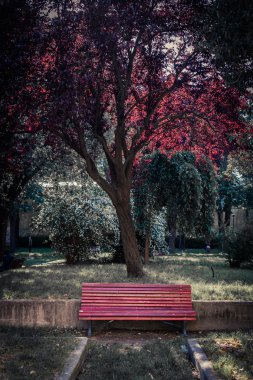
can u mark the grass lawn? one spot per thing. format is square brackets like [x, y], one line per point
[157, 360]
[58, 280]
[38, 256]
[34, 353]
[231, 354]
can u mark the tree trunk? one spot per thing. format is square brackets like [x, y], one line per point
[130, 247]
[172, 238]
[220, 215]
[4, 215]
[182, 242]
[228, 212]
[13, 229]
[147, 244]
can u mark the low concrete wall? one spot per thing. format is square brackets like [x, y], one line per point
[211, 315]
[39, 312]
[222, 315]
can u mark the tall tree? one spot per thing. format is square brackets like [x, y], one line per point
[117, 71]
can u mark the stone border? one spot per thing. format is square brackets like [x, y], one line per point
[74, 362]
[199, 359]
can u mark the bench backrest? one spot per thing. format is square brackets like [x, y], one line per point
[141, 295]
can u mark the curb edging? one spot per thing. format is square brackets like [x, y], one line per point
[199, 359]
[74, 362]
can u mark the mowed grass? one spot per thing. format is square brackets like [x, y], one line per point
[231, 354]
[209, 274]
[38, 256]
[34, 353]
[157, 360]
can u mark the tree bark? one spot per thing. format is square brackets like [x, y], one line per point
[172, 238]
[228, 212]
[129, 241]
[182, 242]
[221, 223]
[4, 215]
[13, 229]
[147, 244]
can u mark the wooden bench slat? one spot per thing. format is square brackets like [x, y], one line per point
[134, 285]
[139, 311]
[136, 297]
[139, 304]
[147, 304]
[149, 318]
[149, 292]
[134, 308]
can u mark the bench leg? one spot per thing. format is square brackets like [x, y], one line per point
[89, 329]
[184, 329]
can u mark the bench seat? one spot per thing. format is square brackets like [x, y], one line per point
[122, 301]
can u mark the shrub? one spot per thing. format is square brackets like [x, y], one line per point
[77, 223]
[239, 247]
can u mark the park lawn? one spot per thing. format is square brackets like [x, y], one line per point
[157, 360]
[209, 274]
[230, 353]
[29, 353]
[38, 256]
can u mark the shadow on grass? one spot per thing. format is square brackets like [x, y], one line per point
[156, 360]
[34, 353]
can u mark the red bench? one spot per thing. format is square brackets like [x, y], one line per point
[120, 301]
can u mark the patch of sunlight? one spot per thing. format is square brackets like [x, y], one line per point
[8, 294]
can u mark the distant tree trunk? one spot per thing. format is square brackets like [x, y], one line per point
[130, 247]
[17, 230]
[147, 245]
[4, 216]
[220, 215]
[13, 229]
[182, 242]
[228, 212]
[172, 227]
[172, 238]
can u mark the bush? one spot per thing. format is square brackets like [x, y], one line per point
[77, 224]
[239, 247]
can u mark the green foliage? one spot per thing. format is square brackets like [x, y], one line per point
[228, 33]
[231, 190]
[185, 187]
[76, 222]
[239, 247]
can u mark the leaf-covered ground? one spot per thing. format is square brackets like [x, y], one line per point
[231, 354]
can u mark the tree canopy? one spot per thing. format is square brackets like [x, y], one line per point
[114, 78]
